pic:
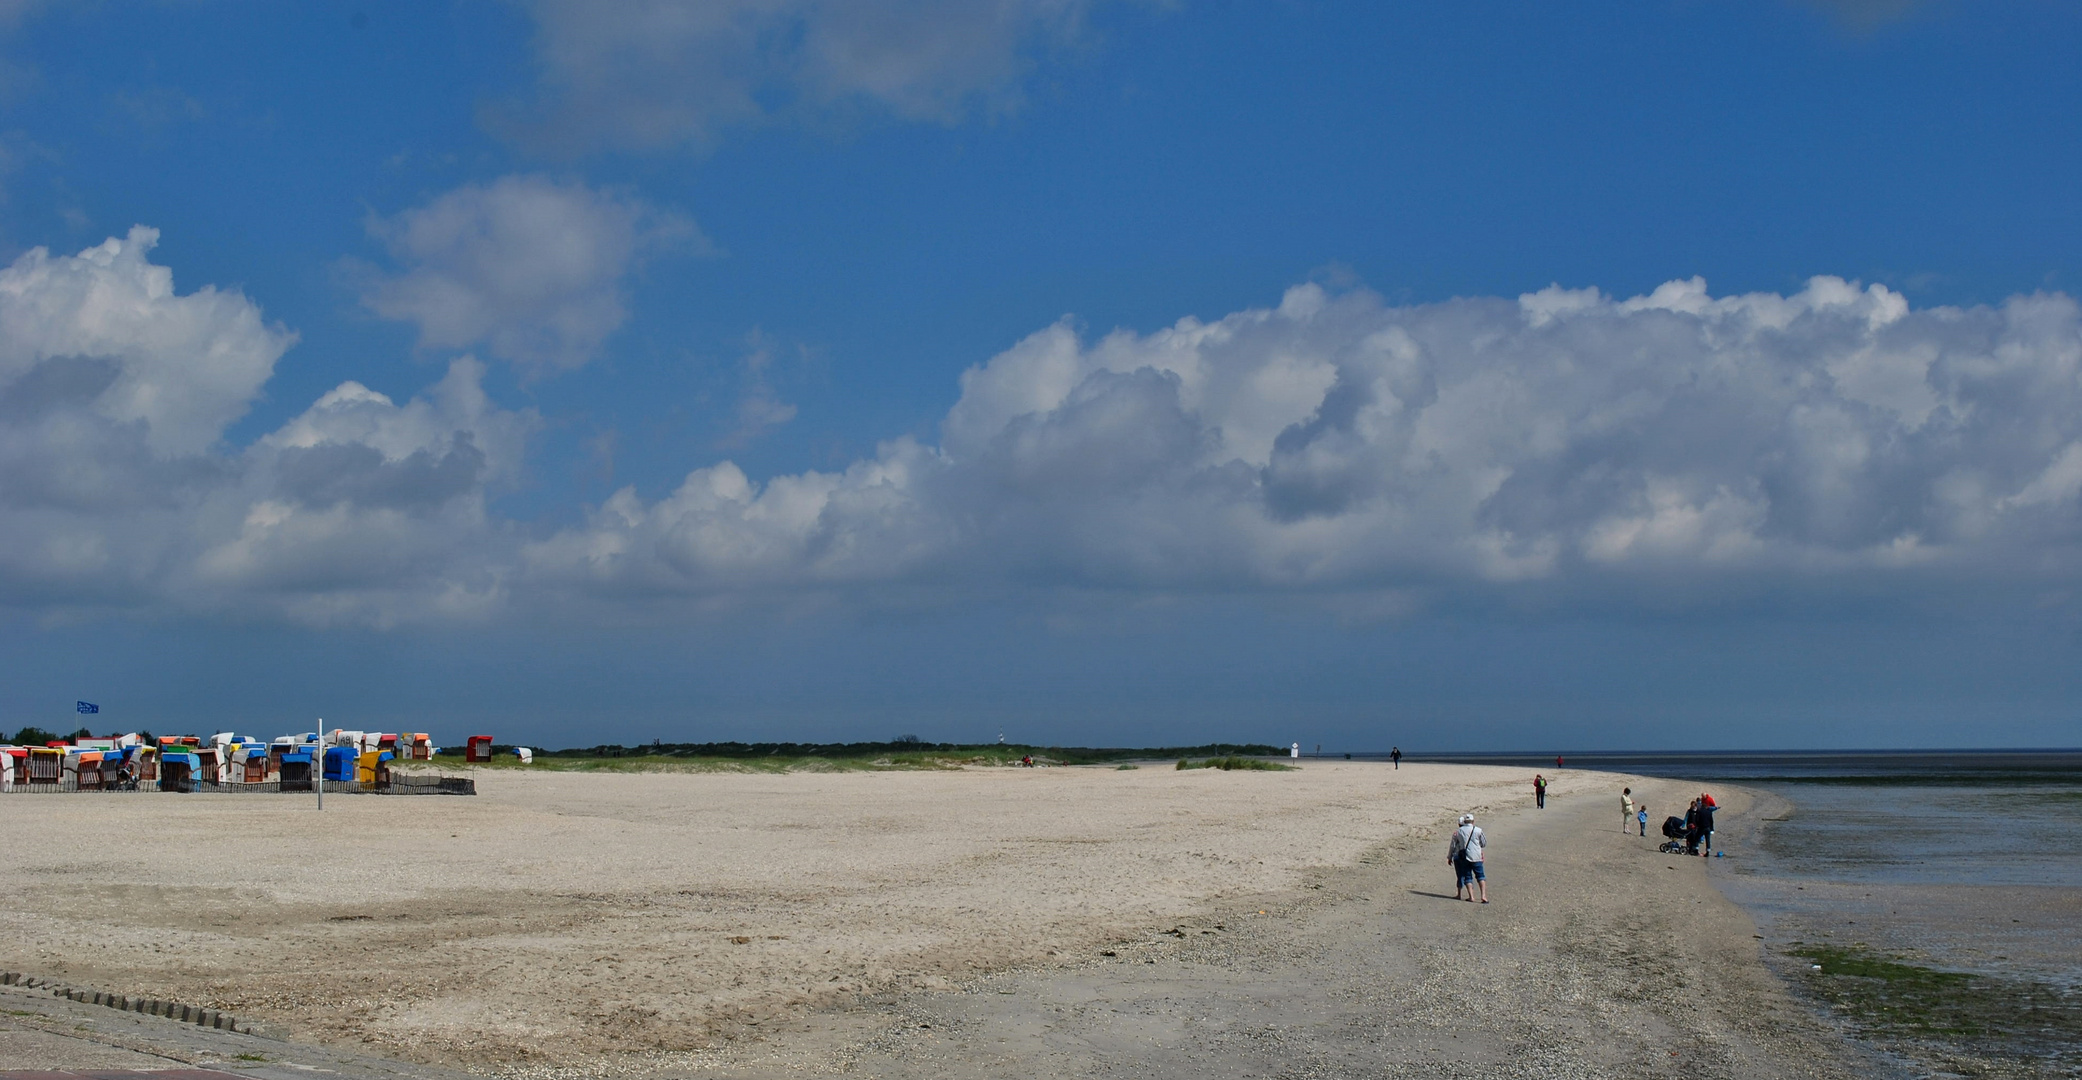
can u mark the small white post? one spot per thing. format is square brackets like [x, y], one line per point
[318, 764]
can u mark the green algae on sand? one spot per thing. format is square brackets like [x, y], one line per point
[1966, 1022]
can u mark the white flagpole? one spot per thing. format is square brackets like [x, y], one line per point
[318, 766]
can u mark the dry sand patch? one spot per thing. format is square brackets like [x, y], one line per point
[564, 917]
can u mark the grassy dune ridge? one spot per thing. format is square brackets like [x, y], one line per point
[832, 757]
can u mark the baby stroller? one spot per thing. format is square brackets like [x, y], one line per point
[1673, 827]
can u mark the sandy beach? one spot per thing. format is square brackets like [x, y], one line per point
[749, 925]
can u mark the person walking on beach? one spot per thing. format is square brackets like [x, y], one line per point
[1464, 852]
[1691, 828]
[1642, 816]
[1394, 755]
[1626, 808]
[1539, 791]
[1706, 809]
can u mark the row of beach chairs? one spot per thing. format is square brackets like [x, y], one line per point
[187, 763]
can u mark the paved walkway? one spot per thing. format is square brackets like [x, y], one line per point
[45, 1038]
[120, 1074]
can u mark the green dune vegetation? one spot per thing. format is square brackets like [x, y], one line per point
[904, 752]
[1229, 762]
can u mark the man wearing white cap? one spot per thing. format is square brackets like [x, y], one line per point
[1465, 853]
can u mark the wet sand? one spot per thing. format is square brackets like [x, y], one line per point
[736, 925]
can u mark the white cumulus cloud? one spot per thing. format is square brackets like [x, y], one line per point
[1334, 443]
[118, 492]
[1677, 447]
[529, 269]
[179, 367]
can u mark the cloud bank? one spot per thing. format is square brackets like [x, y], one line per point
[654, 73]
[1563, 440]
[1675, 448]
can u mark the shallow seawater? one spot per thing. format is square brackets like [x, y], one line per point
[1959, 886]
[1924, 834]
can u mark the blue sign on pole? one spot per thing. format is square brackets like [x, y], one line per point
[87, 707]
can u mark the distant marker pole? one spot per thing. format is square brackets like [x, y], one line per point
[318, 766]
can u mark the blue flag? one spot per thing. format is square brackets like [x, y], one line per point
[87, 707]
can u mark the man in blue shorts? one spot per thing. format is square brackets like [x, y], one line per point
[1465, 853]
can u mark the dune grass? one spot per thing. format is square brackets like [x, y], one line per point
[903, 754]
[1232, 762]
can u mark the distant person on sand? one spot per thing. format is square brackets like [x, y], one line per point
[1691, 828]
[1464, 852]
[1626, 808]
[1642, 817]
[1557, 762]
[1706, 809]
[1539, 791]
[1395, 755]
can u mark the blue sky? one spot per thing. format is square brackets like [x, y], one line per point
[1673, 374]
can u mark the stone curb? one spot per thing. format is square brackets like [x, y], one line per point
[172, 1010]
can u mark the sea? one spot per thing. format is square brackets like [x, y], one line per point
[1927, 902]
